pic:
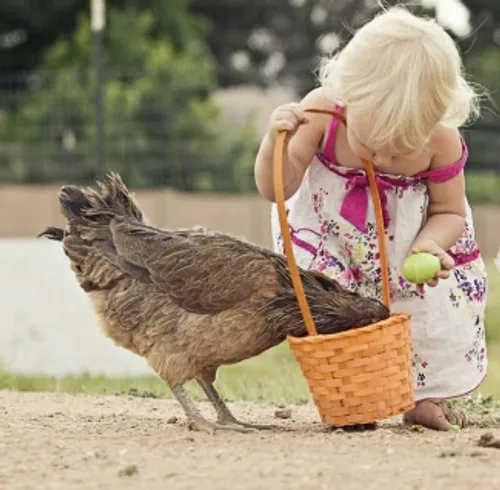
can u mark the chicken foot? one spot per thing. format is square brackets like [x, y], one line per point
[195, 418]
[224, 415]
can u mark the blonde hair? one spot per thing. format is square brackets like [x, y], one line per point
[402, 75]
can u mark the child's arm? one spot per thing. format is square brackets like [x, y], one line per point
[446, 211]
[301, 148]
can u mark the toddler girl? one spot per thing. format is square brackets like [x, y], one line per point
[399, 84]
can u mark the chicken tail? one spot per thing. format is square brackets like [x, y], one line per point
[90, 206]
[86, 238]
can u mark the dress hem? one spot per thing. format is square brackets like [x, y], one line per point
[451, 397]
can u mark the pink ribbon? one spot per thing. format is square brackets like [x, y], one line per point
[355, 204]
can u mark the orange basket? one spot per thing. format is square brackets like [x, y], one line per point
[362, 375]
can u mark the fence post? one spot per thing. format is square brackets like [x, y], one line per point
[98, 16]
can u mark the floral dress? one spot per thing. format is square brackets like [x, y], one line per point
[333, 231]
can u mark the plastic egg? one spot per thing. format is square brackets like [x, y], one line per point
[420, 267]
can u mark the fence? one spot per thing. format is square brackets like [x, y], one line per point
[26, 210]
[162, 129]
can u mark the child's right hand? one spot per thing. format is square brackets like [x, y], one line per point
[287, 117]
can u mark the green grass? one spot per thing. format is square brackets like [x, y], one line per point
[483, 187]
[272, 377]
[491, 386]
[493, 305]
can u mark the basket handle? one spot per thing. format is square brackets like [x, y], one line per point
[279, 193]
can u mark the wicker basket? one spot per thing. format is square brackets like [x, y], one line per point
[362, 375]
[358, 376]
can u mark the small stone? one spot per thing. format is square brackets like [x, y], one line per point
[448, 454]
[283, 413]
[486, 438]
[489, 440]
[477, 454]
[172, 420]
[129, 470]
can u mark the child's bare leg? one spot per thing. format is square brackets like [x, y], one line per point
[435, 414]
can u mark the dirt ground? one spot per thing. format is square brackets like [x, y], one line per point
[67, 442]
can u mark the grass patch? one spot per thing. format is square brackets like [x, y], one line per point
[493, 305]
[483, 187]
[482, 411]
[272, 377]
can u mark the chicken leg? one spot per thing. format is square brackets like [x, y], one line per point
[196, 419]
[224, 415]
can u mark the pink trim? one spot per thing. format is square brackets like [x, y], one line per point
[462, 259]
[443, 174]
[310, 230]
[353, 172]
[304, 245]
[436, 175]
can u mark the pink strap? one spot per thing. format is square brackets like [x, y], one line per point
[443, 174]
[329, 151]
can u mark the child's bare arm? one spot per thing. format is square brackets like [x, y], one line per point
[446, 211]
[306, 132]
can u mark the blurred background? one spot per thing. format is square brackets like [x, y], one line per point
[175, 95]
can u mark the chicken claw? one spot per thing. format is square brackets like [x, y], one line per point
[196, 421]
[203, 425]
[224, 415]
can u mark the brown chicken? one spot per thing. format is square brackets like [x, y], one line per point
[190, 301]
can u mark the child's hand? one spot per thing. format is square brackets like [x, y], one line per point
[447, 262]
[287, 117]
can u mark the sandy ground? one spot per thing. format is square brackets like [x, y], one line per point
[55, 441]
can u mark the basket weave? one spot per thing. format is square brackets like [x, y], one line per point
[359, 376]
[362, 375]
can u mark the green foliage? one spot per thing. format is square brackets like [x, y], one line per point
[483, 187]
[162, 126]
[493, 308]
[280, 40]
[164, 58]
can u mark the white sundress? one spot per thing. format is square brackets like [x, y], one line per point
[333, 230]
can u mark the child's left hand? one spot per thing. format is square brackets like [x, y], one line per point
[447, 262]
